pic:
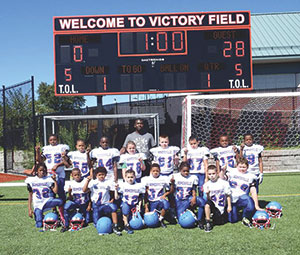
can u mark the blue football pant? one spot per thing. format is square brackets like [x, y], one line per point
[159, 205]
[70, 206]
[38, 213]
[182, 205]
[246, 203]
[201, 179]
[104, 209]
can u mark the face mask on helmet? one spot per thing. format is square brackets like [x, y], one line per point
[136, 221]
[151, 219]
[187, 219]
[77, 221]
[50, 221]
[261, 220]
[274, 209]
[104, 226]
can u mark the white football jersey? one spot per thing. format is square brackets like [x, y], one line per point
[132, 162]
[100, 191]
[251, 153]
[184, 185]
[156, 186]
[41, 189]
[79, 160]
[79, 197]
[217, 191]
[165, 158]
[131, 192]
[225, 155]
[106, 158]
[239, 183]
[195, 158]
[53, 157]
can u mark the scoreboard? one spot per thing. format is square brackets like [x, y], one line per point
[152, 53]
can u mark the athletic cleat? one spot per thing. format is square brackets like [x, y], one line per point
[116, 230]
[246, 222]
[64, 229]
[200, 225]
[128, 229]
[162, 224]
[208, 227]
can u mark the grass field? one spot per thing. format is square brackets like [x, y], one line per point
[19, 236]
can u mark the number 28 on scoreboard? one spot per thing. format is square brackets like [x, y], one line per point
[153, 53]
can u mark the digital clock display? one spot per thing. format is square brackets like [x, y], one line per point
[153, 53]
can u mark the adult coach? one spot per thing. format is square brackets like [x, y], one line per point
[143, 140]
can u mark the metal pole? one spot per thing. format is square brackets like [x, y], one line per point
[4, 131]
[45, 130]
[33, 117]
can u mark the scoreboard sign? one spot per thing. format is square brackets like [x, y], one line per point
[152, 53]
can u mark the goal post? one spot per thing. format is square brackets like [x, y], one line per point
[112, 119]
[272, 118]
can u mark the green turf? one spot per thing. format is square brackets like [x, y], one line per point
[19, 236]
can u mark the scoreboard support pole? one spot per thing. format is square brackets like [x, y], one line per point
[100, 121]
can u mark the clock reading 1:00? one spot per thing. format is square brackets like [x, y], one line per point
[152, 43]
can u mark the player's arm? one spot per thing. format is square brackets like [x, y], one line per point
[86, 184]
[90, 161]
[229, 207]
[117, 196]
[242, 146]
[205, 165]
[143, 166]
[55, 186]
[67, 162]
[193, 200]
[254, 196]
[185, 152]
[146, 200]
[29, 204]
[70, 194]
[261, 171]
[115, 168]
[139, 204]
[112, 196]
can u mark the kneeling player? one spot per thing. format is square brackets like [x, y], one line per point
[41, 193]
[242, 183]
[157, 190]
[218, 195]
[185, 192]
[102, 196]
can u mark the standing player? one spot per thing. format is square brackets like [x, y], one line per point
[218, 196]
[166, 156]
[106, 157]
[41, 193]
[185, 186]
[78, 199]
[242, 183]
[79, 159]
[225, 155]
[132, 194]
[197, 157]
[102, 196]
[252, 152]
[133, 160]
[157, 191]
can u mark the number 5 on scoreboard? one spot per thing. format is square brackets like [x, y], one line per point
[68, 74]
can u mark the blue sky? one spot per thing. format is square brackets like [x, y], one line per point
[27, 30]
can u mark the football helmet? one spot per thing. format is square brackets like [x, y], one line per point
[151, 219]
[261, 220]
[104, 226]
[187, 219]
[77, 221]
[50, 221]
[274, 209]
[136, 221]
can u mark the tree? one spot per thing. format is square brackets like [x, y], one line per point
[47, 102]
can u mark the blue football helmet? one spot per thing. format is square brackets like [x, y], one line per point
[77, 221]
[151, 219]
[261, 220]
[274, 209]
[50, 221]
[104, 226]
[136, 221]
[187, 219]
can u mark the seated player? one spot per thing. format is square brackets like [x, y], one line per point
[77, 199]
[225, 155]
[252, 152]
[242, 183]
[41, 193]
[185, 186]
[102, 196]
[197, 157]
[218, 197]
[157, 190]
[132, 195]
